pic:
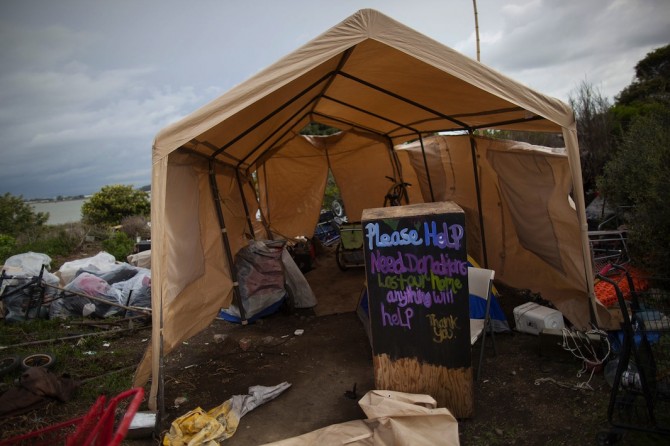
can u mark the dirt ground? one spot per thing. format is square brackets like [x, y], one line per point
[527, 394]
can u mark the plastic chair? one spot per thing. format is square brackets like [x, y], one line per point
[480, 282]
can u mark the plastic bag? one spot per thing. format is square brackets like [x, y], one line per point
[74, 305]
[303, 296]
[260, 274]
[23, 294]
[27, 265]
[221, 422]
[136, 291]
[120, 272]
[101, 262]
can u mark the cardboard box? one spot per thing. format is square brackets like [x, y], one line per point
[533, 318]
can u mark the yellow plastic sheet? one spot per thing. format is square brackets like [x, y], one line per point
[198, 427]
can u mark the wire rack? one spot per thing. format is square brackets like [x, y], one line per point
[640, 398]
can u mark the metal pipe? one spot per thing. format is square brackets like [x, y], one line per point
[226, 243]
[244, 203]
[425, 165]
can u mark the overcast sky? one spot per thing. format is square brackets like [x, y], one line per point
[85, 85]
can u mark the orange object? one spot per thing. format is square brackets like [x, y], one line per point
[606, 293]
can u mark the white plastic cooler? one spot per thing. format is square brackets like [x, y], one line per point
[532, 318]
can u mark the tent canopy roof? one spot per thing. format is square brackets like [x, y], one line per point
[369, 72]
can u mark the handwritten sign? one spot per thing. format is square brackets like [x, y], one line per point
[416, 267]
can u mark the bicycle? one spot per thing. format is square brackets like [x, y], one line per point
[396, 193]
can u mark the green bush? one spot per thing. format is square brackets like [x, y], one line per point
[113, 203]
[639, 175]
[18, 217]
[56, 242]
[7, 247]
[119, 245]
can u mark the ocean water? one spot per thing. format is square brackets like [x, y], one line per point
[60, 211]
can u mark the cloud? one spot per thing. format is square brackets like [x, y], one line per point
[85, 86]
[82, 121]
[597, 40]
[40, 47]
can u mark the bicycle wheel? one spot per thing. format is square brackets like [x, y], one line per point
[337, 208]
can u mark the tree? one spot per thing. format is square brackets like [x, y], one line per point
[18, 217]
[649, 93]
[112, 203]
[652, 79]
[316, 128]
[594, 131]
[639, 175]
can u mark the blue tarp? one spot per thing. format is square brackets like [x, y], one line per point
[498, 319]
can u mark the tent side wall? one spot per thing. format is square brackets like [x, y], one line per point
[190, 275]
[532, 232]
[291, 186]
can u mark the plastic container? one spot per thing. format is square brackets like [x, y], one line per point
[533, 318]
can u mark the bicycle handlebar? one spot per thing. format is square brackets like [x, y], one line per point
[401, 183]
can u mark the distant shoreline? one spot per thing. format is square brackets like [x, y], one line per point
[56, 200]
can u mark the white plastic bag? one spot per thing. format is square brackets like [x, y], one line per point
[101, 262]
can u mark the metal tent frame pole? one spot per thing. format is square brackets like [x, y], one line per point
[226, 243]
[425, 165]
[475, 169]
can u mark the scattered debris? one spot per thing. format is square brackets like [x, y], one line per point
[299, 332]
[142, 425]
[179, 401]
[351, 394]
[219, 338]
[245, 343]
[220, 423]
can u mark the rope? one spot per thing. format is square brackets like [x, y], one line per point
[579, 386]
[579, 344]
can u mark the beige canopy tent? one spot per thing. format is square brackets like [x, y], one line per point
[387, 88]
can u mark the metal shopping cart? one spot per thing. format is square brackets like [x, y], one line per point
[640, 398]
[94, 428]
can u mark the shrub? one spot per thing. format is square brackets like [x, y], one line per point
[134, 226]
[119, 245]
[18, 217]
[53, 241]
[639, 175]
[7, 247]
[113, 203]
